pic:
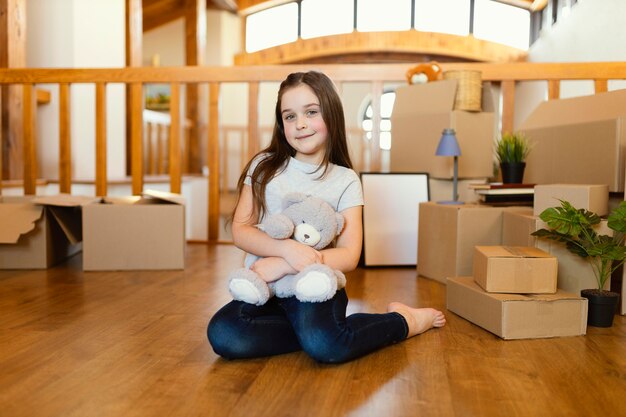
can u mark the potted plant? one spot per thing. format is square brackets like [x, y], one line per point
[576, 229]
[511, 151]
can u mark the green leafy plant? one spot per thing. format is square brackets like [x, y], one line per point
[512, 148]
[576, 229]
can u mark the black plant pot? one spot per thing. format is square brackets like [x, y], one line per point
[512, 172]
[601, 308]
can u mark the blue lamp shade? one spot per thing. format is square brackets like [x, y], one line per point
[448, 145]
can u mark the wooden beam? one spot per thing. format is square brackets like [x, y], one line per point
[337, 72]
[195, 44]
[213, 160]
[65, 141]
[101, 140]
[12, 55]
[410, 42]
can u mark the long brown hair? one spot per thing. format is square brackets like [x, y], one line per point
[279, 151]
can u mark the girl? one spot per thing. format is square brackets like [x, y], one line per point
[308, 153]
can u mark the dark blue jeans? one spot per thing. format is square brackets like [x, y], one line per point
[240, 330]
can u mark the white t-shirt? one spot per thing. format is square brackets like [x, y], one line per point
[340, 187]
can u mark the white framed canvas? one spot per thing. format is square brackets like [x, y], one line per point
[390, 216]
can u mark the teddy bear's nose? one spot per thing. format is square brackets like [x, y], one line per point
[306, 236]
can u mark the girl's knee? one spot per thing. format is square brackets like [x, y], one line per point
[325, 349]
[225, 338]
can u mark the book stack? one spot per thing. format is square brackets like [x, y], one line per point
[497, 193]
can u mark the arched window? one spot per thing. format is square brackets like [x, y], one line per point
[386, 107]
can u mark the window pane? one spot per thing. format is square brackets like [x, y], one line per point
[272, 27]
[385, 140]
[385, 125]
[501, 23]
[386, 104]
[443, 16]
[318, 21]
[367, 125]
[378, 15]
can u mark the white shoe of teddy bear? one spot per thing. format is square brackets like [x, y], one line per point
[244, 285]
[316, 285]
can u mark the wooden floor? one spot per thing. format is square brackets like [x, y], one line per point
[134, 344]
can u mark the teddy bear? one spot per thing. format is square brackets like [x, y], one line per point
[311, 221]
[423, 73]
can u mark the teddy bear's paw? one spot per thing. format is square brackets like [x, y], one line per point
[244, 290]
[316, 286]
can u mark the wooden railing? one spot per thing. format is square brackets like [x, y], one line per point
[505, 74]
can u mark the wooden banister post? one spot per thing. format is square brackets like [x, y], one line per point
[375, 155]
[554, 89]
[174, 145]
[134, 57]
[101, 140]
[29, 141]
[253, 119]
[65, 140]
[601, 85]
[213, 159]
[508, 105]
[136, 137]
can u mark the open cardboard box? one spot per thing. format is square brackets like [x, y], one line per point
[518, 316]
[580, 140]
[39, 232]
[447, 235]
[135, 233]
[421, 112]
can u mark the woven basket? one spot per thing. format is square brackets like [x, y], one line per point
[468, 92]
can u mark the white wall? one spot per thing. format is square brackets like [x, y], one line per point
[78, 33]
[594, 31]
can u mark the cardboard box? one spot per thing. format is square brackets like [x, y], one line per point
[580, 140]
[594, 198]
[135, 233]
[421, 112]
[37, 236]
[447, 235]
[515, 269]
[517, 316]
[575, 273]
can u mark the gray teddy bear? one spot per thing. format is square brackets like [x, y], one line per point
[309, 220]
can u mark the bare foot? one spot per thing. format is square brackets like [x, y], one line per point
[418, 319]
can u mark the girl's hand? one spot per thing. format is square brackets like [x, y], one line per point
[299, 256]
[272, 268]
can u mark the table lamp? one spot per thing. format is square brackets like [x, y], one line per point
[448, 146]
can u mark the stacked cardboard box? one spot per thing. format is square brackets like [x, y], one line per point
[575, 273]
[513, 295]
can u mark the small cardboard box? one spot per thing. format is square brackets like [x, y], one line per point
[517, 316]
[447, 235]
[421, 112]
[37, 235]
[594, 198]
[580, 140]
[135, 233]
[515, 269]
[575, 273]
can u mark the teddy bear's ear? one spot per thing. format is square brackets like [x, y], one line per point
[340, 222]
[292, 198]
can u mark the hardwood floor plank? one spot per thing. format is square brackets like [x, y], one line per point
[76, 343]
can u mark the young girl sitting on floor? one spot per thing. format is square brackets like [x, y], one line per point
[309, 154]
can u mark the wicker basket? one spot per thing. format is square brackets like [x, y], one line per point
[468, 92]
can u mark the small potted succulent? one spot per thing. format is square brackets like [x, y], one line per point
[511, 151]
[576, 229]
